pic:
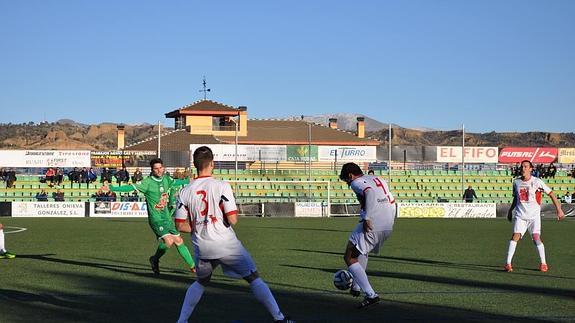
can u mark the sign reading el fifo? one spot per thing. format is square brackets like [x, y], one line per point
[452, 154]
[567, 155]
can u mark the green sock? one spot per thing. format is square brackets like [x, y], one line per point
[162, 248]
[185, 253]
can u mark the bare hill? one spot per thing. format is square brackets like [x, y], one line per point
[67, 134]
[411, 137]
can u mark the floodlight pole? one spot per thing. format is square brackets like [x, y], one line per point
[389, 155]
[309, 158]
[159, 132]
[462, 158]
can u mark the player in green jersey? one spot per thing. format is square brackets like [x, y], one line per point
[157, 189]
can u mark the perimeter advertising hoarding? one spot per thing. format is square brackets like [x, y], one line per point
[118, 209]
[310, 209]
[126, 158]
[452, 154]
[567, 155]
[44, 158]
[225, 152]
[49, 209]
[300, 153]
[534, 154]
[347, 153]
[447, 210]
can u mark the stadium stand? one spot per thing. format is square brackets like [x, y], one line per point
[283, 185]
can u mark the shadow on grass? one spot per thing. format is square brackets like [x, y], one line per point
[542, 291]
[109, 299]
[438, 263]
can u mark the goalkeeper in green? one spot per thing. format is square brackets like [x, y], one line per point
[157, 189]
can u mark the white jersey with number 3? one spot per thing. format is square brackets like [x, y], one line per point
[206, 202]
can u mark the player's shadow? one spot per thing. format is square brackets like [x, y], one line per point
[137, 270]
[439, 263]
[296, 228]
[94, 298]
[560, 292]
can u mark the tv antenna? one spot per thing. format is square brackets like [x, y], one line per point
[205, 90]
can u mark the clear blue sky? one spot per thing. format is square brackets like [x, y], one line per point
[490, 64]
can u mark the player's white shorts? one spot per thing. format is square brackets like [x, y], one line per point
[521, 225]
[367, 242]
[237, 265]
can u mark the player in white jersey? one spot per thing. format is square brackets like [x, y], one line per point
[377, 216]
[525, 213]
[206, 207]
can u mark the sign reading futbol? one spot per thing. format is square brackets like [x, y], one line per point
[533, 154]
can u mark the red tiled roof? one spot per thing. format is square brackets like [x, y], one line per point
[178, 140]
[289, 132]
[203, 107]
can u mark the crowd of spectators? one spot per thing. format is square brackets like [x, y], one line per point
[539, 170]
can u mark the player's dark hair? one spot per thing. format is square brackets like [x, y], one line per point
[527, 161]
[349, 168]
[156, 161]
[202, 157]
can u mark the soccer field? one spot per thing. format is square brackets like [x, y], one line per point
[96, 270]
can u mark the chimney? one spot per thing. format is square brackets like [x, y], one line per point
[360, 127]
[333, 123]
[243, 116]
[121, 136]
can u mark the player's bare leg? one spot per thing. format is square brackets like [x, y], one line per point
[511, 251]
[350, 257]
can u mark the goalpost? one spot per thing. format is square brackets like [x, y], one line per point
[283, 197]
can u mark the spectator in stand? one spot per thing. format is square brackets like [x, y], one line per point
[137, 177]
[552, 170]
[134, 197]
[469, 194]
[104, 175]
[111, 196]
[10, 178]
[58, 196]
[122, 175]
[516, 170]
[92, 175]
[83, 176]
[59, 176]
[572, 171]
[535, 172]
[179, 174]
[42, 196]
[99, 196]
[2, 175]
[567, 198]
[370, 172]
[50, 173]
[74, 176]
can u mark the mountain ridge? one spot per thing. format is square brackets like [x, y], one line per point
[68, 134]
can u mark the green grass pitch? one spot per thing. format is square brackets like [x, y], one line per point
[96, 270]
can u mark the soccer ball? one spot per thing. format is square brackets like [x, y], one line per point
[342, 279]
